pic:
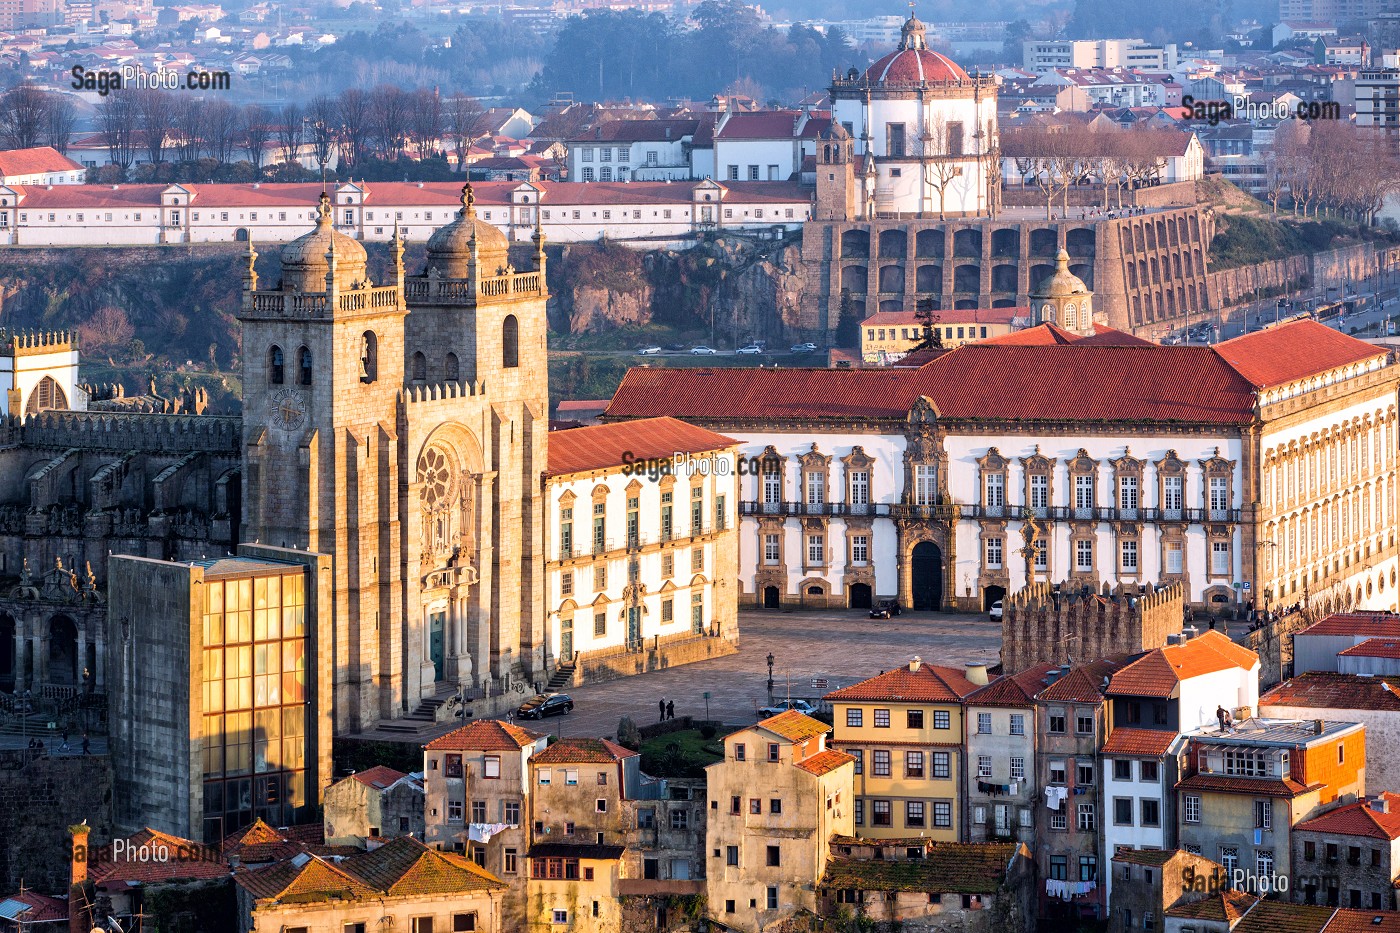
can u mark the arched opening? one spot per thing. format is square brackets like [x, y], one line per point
[48, 395]
[9, 664]
[304, 366]
[241, 235]
[772, 599]
[63, 651]
[926, 576]
[1006, 243]
[892, 279]
[859, 594]
[967, 243]
[893, 244]
[276, 366]
[967, 278]
[992, 594]
[419, 367]
[928, 279]
[1080, 243]
[1004, 278]
[1044, 242]
[892, 306]
[510, 342]
[928, 244]
[369, 357]
[855, 244]
[854, 279]
[454, 368]
[814, 596]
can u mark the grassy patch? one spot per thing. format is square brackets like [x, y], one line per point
[1242, 240]
[680, 754]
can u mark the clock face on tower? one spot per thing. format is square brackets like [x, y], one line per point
[287, 409]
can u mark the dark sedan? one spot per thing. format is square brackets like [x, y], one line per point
[551, 704]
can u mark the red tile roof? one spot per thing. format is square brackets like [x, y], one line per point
[405, 867]
[1368, 624]
[1226, 907]
[1145, 743]
[1157, 673]
[40, 908]
[1041, 335]
[1359, 819]
[1373, 648]
[312, 879]
[824, 762]
[929, 684]
[378, 777]
[1326, 690]
[635, 131]
[1348, 920]
[1012, 690]
[1083, 684]
[585, 751]
[34, 161]
[1266, 361]
[598, 447]
[132, 861]
[794, 726]
[1278, 917]
[1225, 784]
[486, 735]
[759, 124]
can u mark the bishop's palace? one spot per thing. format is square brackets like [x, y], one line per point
[390, 525]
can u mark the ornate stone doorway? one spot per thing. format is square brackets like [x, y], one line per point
[926, 576]
[772, 599]
[859, 595]
[992, 594]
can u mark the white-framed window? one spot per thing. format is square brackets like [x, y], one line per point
[1219, 493]
[860, 549]
[1175, 555]
[1191, 808]
[772, 486]
[560, 916]
[1018, 724]
[1084, 555]
[1085, 818]
[1172, 492]
[816, 549]
[1040, 491]
[1220, 558]
[1264, 814]
[994, 553]
[984, 766]
[816, 488]
[984, 723]
[1127, 492]
[1084, 491]
[772, 549]
[860, 487]
[1129, 550]
[1264, 862]
[1041, 555]
[925, 484]
[995, 491]
[1018, 769]
[588, 174]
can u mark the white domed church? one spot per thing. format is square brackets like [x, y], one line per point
[923, 137]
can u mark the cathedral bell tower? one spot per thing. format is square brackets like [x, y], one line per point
[836, 175]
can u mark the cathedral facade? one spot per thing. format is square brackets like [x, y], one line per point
[402, 427]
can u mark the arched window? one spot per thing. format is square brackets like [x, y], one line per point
[369, 357]
[48, 395]
[454, 370]
[304, 365]
[1071, 318]
[420, 367]
[275, 366]
[510, 342]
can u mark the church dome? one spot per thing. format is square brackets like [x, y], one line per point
[304, 263]
[1062, 283]
[450, 246]
[914, 62]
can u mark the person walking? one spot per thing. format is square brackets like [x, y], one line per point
[87, 746]
[670, 709]
[661, 707]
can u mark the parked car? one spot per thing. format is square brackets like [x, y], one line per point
[676, 347]
[702, 351]
[648, 351]
[884, 609]
[546, 704]
[996, 611]
[803, 348]
[782, 706]
[750, 350]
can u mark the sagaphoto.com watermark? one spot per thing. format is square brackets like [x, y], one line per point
[134, 77]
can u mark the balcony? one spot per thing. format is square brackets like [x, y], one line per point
[938, 512]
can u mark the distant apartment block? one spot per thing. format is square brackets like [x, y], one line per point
[1378, 95]
[1042, 55]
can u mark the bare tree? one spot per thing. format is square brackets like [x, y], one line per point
[23, 115]
[467, 121]
[942, 144]
[117, 119]
[221, 130]
[390, 107]
[189, 128]
[291, 130]
[155, 116]
[60, 119]
[1290, 140]
[254, 132]
[107, 330]
[353, 112]
[1046, 157]
[425, 121]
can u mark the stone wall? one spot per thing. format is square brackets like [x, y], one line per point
[39, 800]
[1328, 268]
[1273, 642]
[1042, 626]
[659, 654]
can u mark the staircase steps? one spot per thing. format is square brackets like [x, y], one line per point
[563, 677]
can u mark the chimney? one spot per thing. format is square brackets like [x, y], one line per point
[79, 915]
[915, 664]
[1318, 726]
[977, 673]
[1380, 803]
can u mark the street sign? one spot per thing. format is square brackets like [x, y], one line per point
[1245, 586]
[819, 683]
[707, 694]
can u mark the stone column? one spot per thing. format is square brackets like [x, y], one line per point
[21, 640]
[41, 659]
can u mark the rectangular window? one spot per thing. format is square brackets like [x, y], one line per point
[1191, 808]
[1086, 822]
[882, 719]
[773, 752]
[1219, 493]
[860, 487]
[771, 550]
[943, 815]
[1057, 721]
[1123, 811]
[1130, 556]
[1174, 556]
[1088, 868]
[858, 766]
[816, 488]
[855, 718]
[1018, 769]
[1128, 492]
[1151, 812]
[894, 136]
[1084, 723]
[984, 723]
[914, 764]
[994, 490]
[880, 762]
[1147, 771]
[1084, 492]
[925, 485]
[774, 857]
[914, 814]
[914, 719]
[731, 855]
[942, 719]
[1084, 773]
[1059, 868]
[1041, 555]
[1018, 724]
[880, 813]
[1040, 491]
[994, 553]
[772, 897]
[860, 550]
[1084, 555]
[1172, 493]
[1058, 771]
[984, 766]
[1220, 558]
[942, 768]
[1263, 814]
[816, 550]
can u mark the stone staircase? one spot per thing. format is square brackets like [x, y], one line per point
[563, 677]
[424, 717]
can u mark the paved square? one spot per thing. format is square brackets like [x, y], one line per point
[840, 646]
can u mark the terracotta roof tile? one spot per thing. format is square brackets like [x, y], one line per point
[1225, 907]
[1348, 920]
[1260, 787]
[32, 907]
[1041, 335]
[1367, 624]
[299, 882]
[486, 735]
[405, 867]
[1157, 673]
[1152, 857]
[1327, 690]
[40, 159]
[1359, 819]
[1373, 648]
[946, 868]
[824, 762]
[929, 684]
[1148, 743]
[1267, 360]
[585, 751]
[1013, 690]
[601, 446]
[794, 726]
[1083, 684]
[378, 777]
[186, 861]
[760, 124]
[1278, 917]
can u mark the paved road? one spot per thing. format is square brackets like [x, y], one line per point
[840, 646]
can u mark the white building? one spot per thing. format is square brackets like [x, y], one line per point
[998, 464]
[38, 372]
[43, 165]
[924, 131]
[141, 215]
[1042, 55]
[1002, 790]
[640, 539]
[1378, 95]
[638, 150]
[765, 145]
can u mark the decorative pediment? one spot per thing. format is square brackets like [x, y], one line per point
[1171, 464]
[567, 499]
[814, 459]
[634, 487]
[992, 461]
[600, 492]
[1083, 463]
[923, 411]
[1217, 464]
[1037, 462]
[1127, 464]
[858, 459]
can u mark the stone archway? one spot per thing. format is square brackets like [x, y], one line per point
[926, 576]
[859, 596]
[9, 662]
[63, 651]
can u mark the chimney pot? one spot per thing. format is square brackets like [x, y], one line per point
[915, 664]
[1318, 726]
[976, 673]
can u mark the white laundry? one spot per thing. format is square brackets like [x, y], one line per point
[482, 832]
[1054, 796]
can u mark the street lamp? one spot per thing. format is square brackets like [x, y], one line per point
[770, 678]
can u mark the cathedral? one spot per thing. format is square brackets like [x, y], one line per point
[399, 426]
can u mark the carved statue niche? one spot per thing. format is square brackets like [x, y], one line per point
[447, 497]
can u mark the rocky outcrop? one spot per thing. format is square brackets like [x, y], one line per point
[594, 308]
